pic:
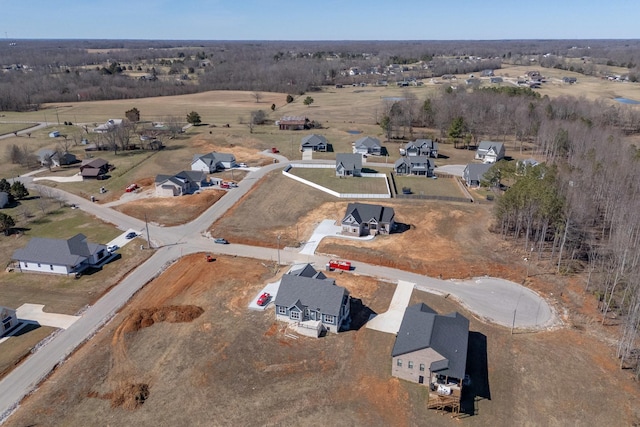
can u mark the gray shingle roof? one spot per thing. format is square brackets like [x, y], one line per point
[475, 171]
[306, 270]
[317, 294]
[69, 252]
[363, 212]
[313, 140]
[349, 161]
[368, 142]
[422, 328]
[486, 145]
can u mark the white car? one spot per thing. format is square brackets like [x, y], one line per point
[242, 165]
[112, 248]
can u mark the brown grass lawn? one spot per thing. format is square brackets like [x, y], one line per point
[211, 361]
[423, 186]
[326, 177]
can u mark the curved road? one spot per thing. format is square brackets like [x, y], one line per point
[500, 302]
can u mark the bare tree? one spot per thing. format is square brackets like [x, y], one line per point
[257, 96]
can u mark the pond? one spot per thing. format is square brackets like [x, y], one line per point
[393, 98]
[354, 132]
[626, 101]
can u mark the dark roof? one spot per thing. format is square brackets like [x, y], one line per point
[475, 171]
[368, 142]
[93, 163]
[313, 140]
[363, 212]
[349, 161]
[487, 145]
[446, 334]
[69, 252]
[4, 199]
[193, 176]
[316, 294]
[306, 270]
[91, 172]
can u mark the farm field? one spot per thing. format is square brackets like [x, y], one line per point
[188, 351]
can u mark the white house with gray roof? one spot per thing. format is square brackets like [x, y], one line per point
[414, 165]
[368, 145]
[490, 151]
[212, 162]
[422, 147]
[185, 182]
[473, 173]
[60, 256]
[431, 348]
[314, 303]
[348, 164]
[362, 219]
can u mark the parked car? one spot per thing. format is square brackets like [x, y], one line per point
[264, 298]
[112, 248]
[274, 150]
[242, 165]
[131, 188]
[232, 184]
[224, 185]
[131, 235]
[220, 241]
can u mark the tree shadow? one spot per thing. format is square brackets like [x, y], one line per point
[369, 170]
[442, 156]
[478, 371]
[359, 314]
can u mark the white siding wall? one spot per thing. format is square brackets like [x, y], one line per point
[44, 268]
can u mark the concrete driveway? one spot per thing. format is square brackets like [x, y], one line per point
[390, 320]
[456, 170]
[272, 289]
[326, 228]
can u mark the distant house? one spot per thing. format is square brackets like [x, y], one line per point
[431, 349]
[422, 147]
[53, 158]
[4, 199]
[363, 219]
[523, 165]
[313, 143]
[293, 123]
[212, 162]
[473, 173]
[60, 256]
[9, 320]
[94, 168]
[348, 164]
[490, 151]
[496, 80]
[570, 80]
[487, 73]
[311, 303]
[185, 182]
[368, 145]
[108, 126]
[414, 165]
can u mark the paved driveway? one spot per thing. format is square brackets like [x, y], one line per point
[390, 320]
[327, 228]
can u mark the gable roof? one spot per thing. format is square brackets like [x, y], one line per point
[427, 143]
[306, 270]
[70, 252]
[349, 161]
[363, 212]
[475, 171]
[313, 140]
[213, 158]
[487, 145]
[93, 163]
[368, 142]
[448, 335]
[316, 294]
[181, 177]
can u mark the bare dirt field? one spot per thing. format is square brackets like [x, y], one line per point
[187, 351]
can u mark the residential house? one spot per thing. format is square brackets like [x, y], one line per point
[4, 199]
[422, 147]
[9, 320]
[94, 168]
[108, 126]
[293, 123]
[368, 145]
[362, 219]
[523, 165]
[414, 165]
[185, 182]
[473, 173]
[60, 256]
[312, 303]
[306, 270]
[313, 143]
[570, 80]
[212, 162]
[53, 158]
[496, 80]
[487, 73]
[348, 164]
[490, 151]
[431, 348]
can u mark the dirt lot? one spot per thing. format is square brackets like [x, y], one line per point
[187, 351]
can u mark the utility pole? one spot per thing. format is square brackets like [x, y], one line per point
[146, 224]
[279, 235]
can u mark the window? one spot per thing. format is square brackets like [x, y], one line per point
[26, 264]
[39, 265]
[422, 367]
[282, 309]
[399, 363]
[295, 315]
[329, 318]
[51, 267]
[410, 364]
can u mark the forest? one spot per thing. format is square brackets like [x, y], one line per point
[578, 210]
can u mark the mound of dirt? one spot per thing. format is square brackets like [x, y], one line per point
[130, 396]
[145, 317]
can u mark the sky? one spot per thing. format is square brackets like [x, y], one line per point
[319, 20]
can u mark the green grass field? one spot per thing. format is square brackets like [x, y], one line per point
[422, 186]
[326, 177]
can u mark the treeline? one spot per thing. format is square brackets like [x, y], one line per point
[41, 71]
[579, 210]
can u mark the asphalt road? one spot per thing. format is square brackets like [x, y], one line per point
[496, 301]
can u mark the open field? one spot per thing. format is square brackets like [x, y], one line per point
[8, 128]
[326, 177]
[193, 354]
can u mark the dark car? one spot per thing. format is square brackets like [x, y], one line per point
[221, 241]
[131, 235]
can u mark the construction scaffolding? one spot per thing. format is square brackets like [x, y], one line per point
[441, 402]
